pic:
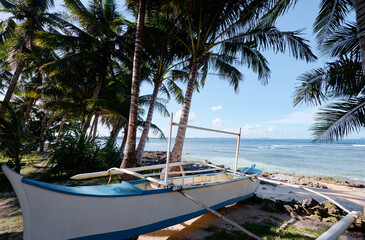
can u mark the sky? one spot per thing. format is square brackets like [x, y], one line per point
[260, 111]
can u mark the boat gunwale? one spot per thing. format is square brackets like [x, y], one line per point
[130, 184]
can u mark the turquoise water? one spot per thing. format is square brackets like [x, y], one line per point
[344, 160]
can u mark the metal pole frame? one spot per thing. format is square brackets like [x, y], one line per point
[168, 150]
[199, 128]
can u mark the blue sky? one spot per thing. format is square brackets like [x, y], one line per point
[261, 111]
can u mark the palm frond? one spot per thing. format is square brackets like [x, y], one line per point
[330, 17]
[7, 30]
[251, 57]
[310, 90]
[157, 131]
[343, 42]
[280, 41]
[8, 5]
[339, 79]
[280, 8]
[227, 71]
[176, 90]
[337, 120]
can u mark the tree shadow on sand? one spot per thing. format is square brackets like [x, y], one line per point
[11, 236]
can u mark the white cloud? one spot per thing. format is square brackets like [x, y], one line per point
[218, 122]
[192, 116]
[258, 131]
[216, 108]
[304, 117]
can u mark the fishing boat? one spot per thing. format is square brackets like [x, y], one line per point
[118, 211]
[130, 208]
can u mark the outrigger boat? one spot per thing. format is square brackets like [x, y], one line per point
[131, 208]
[124, 210]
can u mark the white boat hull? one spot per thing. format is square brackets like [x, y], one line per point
[58, 212]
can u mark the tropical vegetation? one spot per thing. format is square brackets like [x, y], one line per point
[65, 74]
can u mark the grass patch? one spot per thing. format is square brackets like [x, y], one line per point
[265, 229]
[275, 218]
[11, 224]
[317, 232]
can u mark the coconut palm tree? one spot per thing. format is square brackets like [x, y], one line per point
[160, 64]
[129, 159]
[27, 17]
[216, 32]
[99, 35]
[341, 81]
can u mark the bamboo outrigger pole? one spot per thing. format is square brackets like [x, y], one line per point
[220, 216]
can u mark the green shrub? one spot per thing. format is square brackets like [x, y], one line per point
[15, 139]
[75, 153]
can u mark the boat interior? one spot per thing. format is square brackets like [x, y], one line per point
[188, 180]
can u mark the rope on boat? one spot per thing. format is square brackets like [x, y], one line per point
[219, 215]
[306, 189]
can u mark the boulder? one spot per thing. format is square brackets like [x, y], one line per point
[320, 211]
[309, 203]
[331, 208]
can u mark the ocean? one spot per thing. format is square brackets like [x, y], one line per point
[343, 160]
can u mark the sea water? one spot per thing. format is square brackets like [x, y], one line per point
[343, 160]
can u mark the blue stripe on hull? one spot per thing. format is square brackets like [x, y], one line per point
[159, 225]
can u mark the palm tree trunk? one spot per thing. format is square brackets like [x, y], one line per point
[115, 132]
[44, 130]
[17, 164]
[11, 88]
[29, 109]
[122, 146]
[96, 92]
[147, 125]
[180, 136]
[93, 126]
[360, 22]
[129, 159]
[86, 124]
[96, 125]
[61, 127]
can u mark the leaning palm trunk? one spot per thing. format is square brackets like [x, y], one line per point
[44, 130]
[12, 86]
[122, 146]
[180, 136]
[129, 159]
[96, 92]
[92, 132]
[29, 109]
[95, 126]
[116, 129]
[360, 22]
[147, 125]
[61, 127]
